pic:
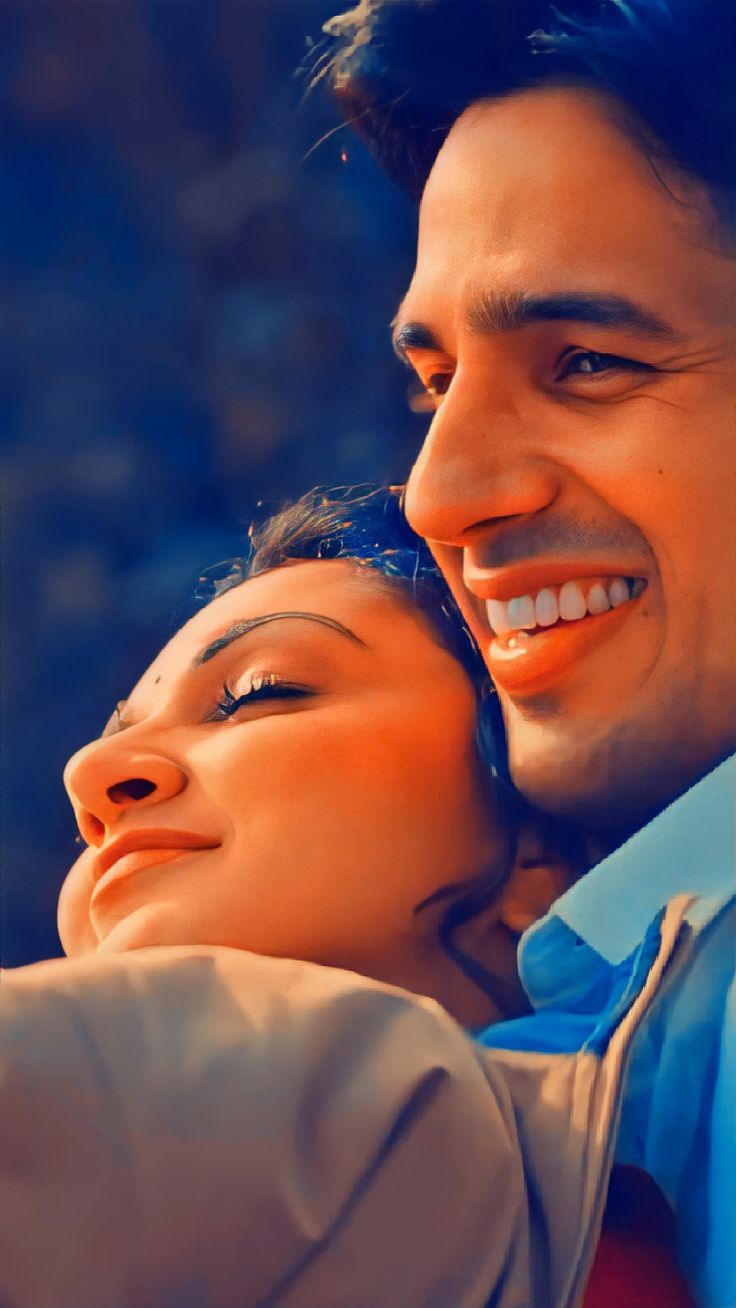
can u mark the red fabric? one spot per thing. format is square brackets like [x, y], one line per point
[635, 1265]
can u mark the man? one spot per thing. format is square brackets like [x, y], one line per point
[201, 1126]
[571, 316]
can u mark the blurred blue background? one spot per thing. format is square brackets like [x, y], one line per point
[193, 317]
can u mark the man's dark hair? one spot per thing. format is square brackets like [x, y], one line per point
[404, 70]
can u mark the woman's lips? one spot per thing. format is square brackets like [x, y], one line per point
[535, 661]
[139, 850]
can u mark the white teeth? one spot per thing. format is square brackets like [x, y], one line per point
[547, 608]
[497, 618]
[618, 592]
[572, 602]
[522, 615]
[597, 599]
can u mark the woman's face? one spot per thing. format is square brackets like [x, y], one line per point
[293, 774]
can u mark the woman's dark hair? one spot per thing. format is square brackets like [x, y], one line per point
[404, 70]
[366, 525]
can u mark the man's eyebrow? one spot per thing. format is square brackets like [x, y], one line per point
[247, 625]
[413, 336]
[494, 311]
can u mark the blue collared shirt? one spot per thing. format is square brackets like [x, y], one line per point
[583, 964]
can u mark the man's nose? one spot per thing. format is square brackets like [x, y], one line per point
[482, 461]
[105, 779]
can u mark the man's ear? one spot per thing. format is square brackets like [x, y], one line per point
[540, 875]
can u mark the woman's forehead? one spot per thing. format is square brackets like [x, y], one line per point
[376, 613]
[333, 587]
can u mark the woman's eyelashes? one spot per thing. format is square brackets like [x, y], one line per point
[263, 686]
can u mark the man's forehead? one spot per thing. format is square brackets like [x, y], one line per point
[510, 211]
[557, 124]
[508, 169]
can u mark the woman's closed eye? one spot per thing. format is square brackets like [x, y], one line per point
[263, 686]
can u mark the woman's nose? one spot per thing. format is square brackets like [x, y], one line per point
[104, 779]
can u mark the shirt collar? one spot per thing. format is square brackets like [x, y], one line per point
[688, 848]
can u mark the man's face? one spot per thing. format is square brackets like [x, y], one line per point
[572, 317]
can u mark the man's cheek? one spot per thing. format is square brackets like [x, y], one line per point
[449, 560]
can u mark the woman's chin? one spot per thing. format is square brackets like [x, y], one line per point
[151, 924]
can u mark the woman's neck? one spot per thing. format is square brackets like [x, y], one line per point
[429, 971]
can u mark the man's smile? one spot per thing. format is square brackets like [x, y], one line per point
[572, 601]
[534, 638]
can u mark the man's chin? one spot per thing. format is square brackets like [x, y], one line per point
[593, 778]
[610, 779]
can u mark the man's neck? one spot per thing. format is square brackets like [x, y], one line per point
[602, 841]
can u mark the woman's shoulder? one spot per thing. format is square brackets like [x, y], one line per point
[251, 1116]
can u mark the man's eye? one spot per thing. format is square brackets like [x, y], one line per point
[590, 363]
[115, 722]
[423, 396]
[263, 686]
[438, 384]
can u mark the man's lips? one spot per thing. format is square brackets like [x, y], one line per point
[542, 659]
[530, 578]
[525, 662]
[159, 840]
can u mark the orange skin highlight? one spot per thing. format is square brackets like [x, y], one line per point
[330, 816]
[564, 442]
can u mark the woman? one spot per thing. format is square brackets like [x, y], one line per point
[187, 1117]
[310, 736]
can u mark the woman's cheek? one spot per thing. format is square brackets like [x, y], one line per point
[73, 920]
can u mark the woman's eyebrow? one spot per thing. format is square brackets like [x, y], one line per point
[244, 628]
